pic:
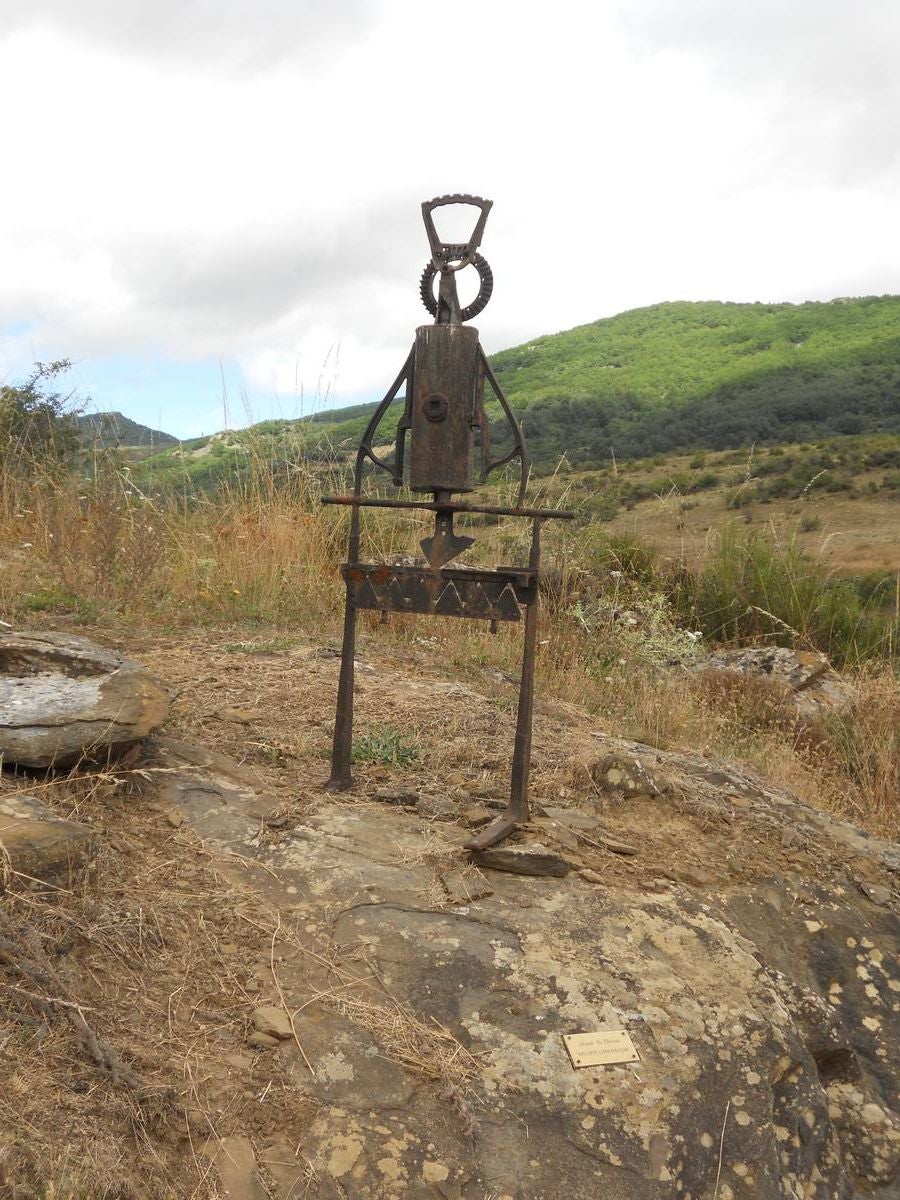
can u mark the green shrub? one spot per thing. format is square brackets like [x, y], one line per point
[629, 555]
[36, 427]
[387, 747]
[709, 479]
[751, 590]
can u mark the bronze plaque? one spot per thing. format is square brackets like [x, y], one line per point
[601, 1049]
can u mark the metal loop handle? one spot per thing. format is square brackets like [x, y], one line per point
[461, 254]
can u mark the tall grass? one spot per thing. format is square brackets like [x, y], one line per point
[262, 549]
[99, 545]
[755, 589]
[859, 758]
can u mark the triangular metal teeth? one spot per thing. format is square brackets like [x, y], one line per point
[449, 603]
[419, 598]
[365, 596]
[478, 603]
[507, 605]
[394, 597]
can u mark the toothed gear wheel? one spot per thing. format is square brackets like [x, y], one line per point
[485, 275]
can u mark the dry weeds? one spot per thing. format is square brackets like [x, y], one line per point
[118, 996]
[353, 986]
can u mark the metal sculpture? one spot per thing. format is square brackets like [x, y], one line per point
[442, 384]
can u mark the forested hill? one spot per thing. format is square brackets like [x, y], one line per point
[114, 429]
[710, 374]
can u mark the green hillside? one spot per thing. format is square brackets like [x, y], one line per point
[708, 375]
[672, 377]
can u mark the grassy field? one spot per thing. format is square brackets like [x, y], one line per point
[838, 501]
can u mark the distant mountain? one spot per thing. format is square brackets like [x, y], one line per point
[112, 429]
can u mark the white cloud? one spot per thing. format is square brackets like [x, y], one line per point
[236, 181]
[202, 35]
[824, 70]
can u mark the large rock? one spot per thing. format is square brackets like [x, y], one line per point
[758, 981]
[37, 842]
[802, 680]
[63, 699]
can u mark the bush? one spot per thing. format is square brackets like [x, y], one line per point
[752, 590]
[644, 629]
[709, 479]
[36, 426]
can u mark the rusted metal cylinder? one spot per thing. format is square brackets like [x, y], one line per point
[447, 383]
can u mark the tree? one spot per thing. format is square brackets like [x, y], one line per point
[36, 423]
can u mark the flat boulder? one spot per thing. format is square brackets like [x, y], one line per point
[804, 680]
[64, 699]
[35, 842]
[756, 977]
[531, 859]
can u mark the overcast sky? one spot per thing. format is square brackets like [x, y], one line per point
[223, 195]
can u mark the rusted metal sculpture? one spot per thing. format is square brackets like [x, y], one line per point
[442, 385]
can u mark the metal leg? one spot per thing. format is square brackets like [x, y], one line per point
[517, 811]
[341, 779]
[521, 764]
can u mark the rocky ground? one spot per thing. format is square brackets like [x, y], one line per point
[239, 984]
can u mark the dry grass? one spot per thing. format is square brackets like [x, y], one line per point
[429, 1051]
[262, 559]
[102, 547]
[117, 993]
[858, 758]
[347, 981]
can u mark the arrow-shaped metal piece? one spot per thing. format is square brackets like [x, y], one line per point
[445, 544]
